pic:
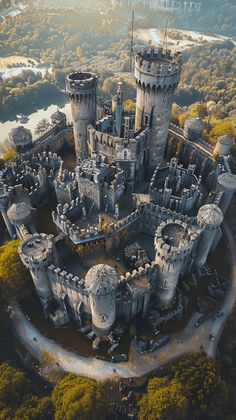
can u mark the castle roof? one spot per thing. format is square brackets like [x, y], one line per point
[211, 215]
[20, 132]
[19, 211]
[101, 280]
[58, 115]
[195, 124]
[227, 181]
[226, 140]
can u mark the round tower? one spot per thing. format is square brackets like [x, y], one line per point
[82, 88]
[5, 199]
[226, 186]
[157, 74]
[223, 146]
[209, 219]
[193, 129]
[173, 244]
[20, 214]
[101, 282]
[37, 254]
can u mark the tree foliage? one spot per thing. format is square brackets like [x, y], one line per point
[78, 398]
[202, 385]
[9, 154]
[14, 385]
[14, 278]
[35, 408]
[164, 400]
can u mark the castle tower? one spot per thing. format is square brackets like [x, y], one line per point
[4, 204]
[173, 244]
[20, 214]
[226, 186]
[223, 146]
[82, 88]
[157, 75]
[101, 282]
[209, 219]
[37, 254]
[117, 108]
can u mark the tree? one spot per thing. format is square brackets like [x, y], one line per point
[14, 386]
[78, 398]
[35, 408]
[14, 278]
[42, 127]
[80, 52]
[198, 110]
[9, 154]
[202, 385]
[129, 105]
[164, 400]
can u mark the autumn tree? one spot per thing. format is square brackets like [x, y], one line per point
[164, 400]
[202, 385]
[14, 278]
[78, 398]
[14, 386]
[35, 408]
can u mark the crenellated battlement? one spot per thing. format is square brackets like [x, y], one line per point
[81, 86]
[37, 250]
[174, 239]
[57, 275]
[157, 69]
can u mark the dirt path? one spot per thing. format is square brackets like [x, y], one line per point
[189, 340]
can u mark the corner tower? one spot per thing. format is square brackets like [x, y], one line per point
[37, 253]
[157, 74]
[173, 243]
[209, 219]
[82, 88]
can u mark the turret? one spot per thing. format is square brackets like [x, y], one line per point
[223, 146]
[4, 204]
[209, 220]
[173, 244]
[226, 186]
[101, 282]
[117, 107]
[20, 214]
[82, 88]
[37, 254]
[157, 75]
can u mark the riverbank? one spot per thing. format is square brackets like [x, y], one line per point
[177, 39]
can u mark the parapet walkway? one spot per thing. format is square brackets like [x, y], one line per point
[190, 340]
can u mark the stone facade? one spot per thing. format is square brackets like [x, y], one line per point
[108, 200]
[21, 138]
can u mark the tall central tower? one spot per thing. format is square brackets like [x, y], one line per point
[157, 75]
[82, 88]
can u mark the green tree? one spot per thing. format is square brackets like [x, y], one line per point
[202, 385]
[35, 408]
[14, 278]
[42, 127]
[164, 400]
[78, 398]
[14, 386]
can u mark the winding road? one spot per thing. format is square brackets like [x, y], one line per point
[189, 340]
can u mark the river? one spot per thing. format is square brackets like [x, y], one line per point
[6, 127]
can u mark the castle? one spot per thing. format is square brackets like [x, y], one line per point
[136, 176]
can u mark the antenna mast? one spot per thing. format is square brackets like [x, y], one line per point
[132, 44]
[165, 41]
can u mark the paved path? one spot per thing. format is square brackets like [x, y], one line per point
[187, 341]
